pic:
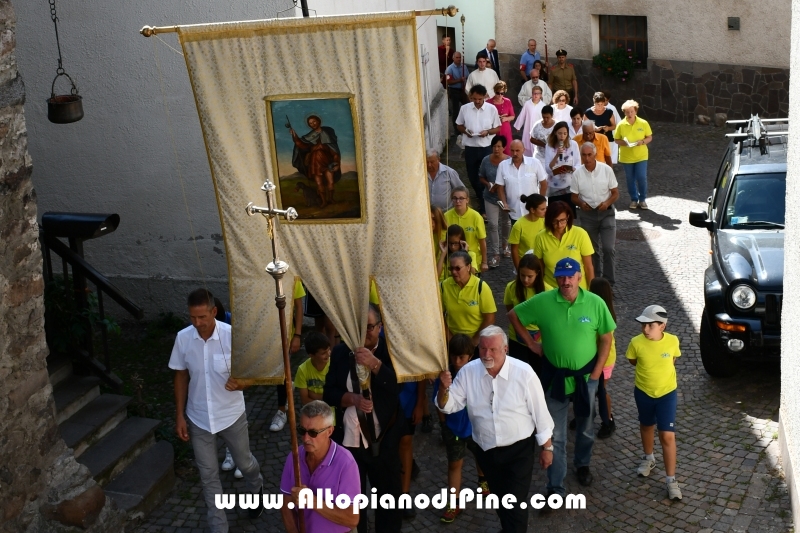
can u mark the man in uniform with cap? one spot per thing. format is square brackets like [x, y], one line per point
[562, 76]
[576, 328]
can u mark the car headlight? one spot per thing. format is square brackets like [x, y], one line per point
[743, 297]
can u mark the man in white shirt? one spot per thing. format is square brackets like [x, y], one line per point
[594, 190]
[441, 181]
[478, 123]
[506, 406]
[482, 76]
[517, 176]
[209, 403]
[527, 89]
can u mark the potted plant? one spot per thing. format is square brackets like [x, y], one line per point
[619, 63]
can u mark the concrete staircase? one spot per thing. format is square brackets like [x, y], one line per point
[121, 452]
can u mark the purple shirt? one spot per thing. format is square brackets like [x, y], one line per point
[338, 472]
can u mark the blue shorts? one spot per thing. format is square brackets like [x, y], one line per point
[661, 411]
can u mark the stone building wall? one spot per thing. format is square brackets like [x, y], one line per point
[678, 91]
[42, 488]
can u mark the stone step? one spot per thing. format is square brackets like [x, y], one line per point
[59, 368]
[73, 393]
[94, 421]
[110, 455]
[146, 482]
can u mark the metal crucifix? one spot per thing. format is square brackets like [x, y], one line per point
[277, 269]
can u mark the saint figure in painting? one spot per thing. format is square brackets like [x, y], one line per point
[316, 155]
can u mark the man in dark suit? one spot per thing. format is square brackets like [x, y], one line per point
[362, 385]
[494, 58]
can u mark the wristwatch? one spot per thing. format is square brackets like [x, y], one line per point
[548, 448]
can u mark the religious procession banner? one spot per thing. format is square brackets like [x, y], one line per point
[328, 109]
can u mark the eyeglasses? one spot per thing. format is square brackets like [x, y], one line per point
[455, 268]
[560, 221]
[313, 433]
[459, 198]
[500, 93]
[370, 327]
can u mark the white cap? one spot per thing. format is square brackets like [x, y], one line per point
[653, 313]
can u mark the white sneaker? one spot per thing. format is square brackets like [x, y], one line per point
[228, 464]
[645, 466]
[238, 474]
[634, 205]
[278, 421]
[674, 491]
[643, 205]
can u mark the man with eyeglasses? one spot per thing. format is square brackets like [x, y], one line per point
[324, 465]
[506, 406]
[362, 385]
[209, 403]
[526, 92]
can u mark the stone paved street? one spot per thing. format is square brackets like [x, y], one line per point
[728, 463]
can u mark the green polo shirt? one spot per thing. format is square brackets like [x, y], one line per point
[464, 308]
[569, 331]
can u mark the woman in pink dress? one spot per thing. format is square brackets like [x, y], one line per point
[506, 111]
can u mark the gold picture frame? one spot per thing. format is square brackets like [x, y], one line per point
[324, 183]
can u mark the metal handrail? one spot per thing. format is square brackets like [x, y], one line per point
[83, 270]
[102, 282]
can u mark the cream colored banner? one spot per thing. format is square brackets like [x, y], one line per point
[257, 82]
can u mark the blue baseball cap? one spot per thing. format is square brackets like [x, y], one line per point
[566, 267]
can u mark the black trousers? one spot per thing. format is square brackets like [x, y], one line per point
[508, 470]
[473, 156]
[383, 472]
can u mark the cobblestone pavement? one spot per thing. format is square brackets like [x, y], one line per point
[728, 458]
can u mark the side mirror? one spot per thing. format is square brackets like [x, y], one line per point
[699, 219]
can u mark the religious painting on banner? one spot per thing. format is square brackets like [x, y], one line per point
[316, 156]
[347, 153]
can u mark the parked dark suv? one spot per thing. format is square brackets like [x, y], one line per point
[745, 218]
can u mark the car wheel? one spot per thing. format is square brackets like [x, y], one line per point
[716, 362]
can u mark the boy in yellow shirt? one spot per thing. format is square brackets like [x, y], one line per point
[654, 353]
[310, 377]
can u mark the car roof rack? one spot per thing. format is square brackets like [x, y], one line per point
[757, 130]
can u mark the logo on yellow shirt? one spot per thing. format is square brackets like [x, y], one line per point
[472, 303]
[571, 247]
[665, 355]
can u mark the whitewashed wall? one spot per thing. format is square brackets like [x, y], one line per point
[790, 336]
[683, 30]
[120, 157]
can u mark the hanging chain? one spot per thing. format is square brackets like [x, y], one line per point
[60, 69]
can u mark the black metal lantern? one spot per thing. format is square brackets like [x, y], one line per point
[62, 108]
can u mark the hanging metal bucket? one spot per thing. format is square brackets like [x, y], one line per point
[64, 108]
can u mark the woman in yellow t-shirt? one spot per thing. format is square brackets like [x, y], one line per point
[467, 300]
[527, 227]
[528, 283]
[633, 134]
[602, 288]
[561, 239]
